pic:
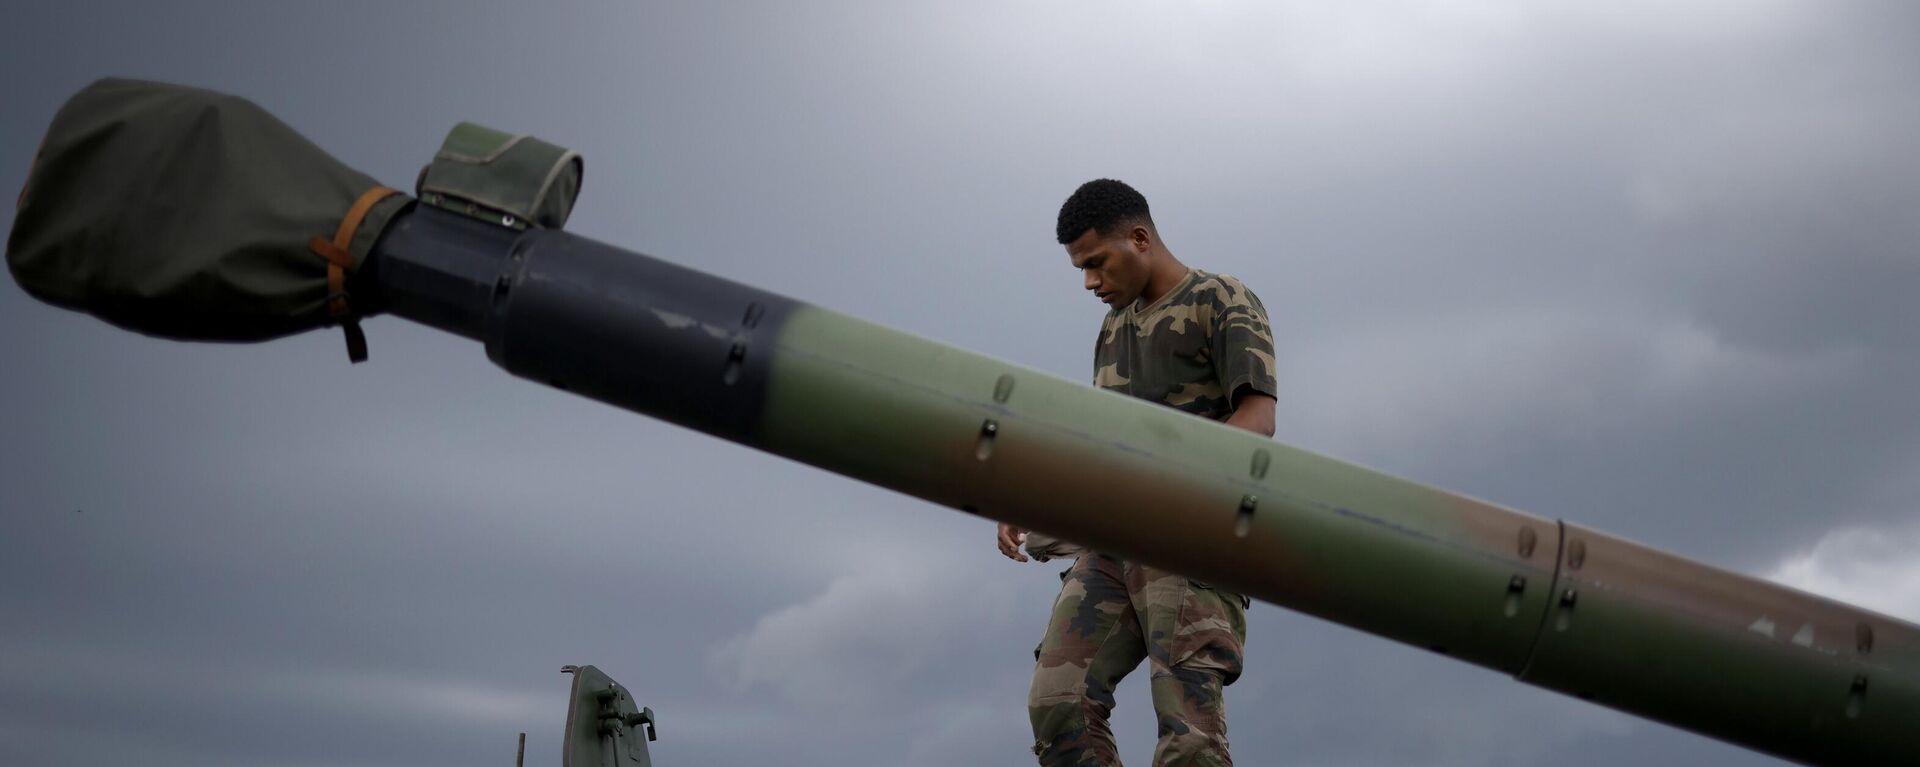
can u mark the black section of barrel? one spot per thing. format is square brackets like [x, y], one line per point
[636, 332]
[436, 268]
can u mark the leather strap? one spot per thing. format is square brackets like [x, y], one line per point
[339, 257]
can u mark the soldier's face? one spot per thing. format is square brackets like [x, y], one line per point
[1113, 267]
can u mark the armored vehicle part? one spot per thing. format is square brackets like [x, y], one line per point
[1552, 603]
[604, 728]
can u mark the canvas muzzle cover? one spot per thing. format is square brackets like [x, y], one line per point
[184, 213]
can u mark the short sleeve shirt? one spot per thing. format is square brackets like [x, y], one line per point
[1191, 349]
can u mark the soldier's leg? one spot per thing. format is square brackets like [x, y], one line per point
[1194, 637]
[1092, 641]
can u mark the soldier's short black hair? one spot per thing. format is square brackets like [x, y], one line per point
[1103, 205]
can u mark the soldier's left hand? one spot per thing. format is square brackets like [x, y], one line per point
[1010, 539]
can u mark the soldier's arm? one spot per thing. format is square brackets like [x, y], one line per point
[1243, 357]
[1252, 411]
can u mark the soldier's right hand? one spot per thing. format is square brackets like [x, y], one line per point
[1010, 539]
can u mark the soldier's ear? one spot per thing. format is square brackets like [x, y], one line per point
[1141, 237]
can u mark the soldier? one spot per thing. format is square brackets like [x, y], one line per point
[1190, 340]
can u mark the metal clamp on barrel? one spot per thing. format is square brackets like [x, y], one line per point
[515, 181]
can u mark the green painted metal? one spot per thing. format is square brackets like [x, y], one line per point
[1327, 537]
[1718, 652]
[1627, 626]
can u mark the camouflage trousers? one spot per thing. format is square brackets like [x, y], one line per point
[1109, 616]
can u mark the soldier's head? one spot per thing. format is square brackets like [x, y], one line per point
[1110, 238]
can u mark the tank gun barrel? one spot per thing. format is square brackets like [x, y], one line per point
[1552, 603]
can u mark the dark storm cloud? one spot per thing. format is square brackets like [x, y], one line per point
[1640, 266]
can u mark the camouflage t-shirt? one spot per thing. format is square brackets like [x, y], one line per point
[1204, 339]
[1190, 350]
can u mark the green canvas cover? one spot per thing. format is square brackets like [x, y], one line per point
[189, 214]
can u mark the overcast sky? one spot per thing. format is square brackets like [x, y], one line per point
[1641, 265]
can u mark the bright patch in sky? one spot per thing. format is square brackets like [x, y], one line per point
[1871, 568]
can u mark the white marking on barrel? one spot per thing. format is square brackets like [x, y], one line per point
[1804, 637]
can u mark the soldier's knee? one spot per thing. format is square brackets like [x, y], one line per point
[1071, 752]
[1193, 738]
[1192, 717]
[1193, 748]
[1070, 725]
[1064, 736]
[1059, 716]
[1070, 684]
[1050, 689]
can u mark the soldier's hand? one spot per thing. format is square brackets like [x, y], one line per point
[1010, 539]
